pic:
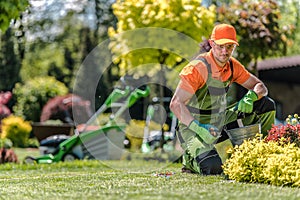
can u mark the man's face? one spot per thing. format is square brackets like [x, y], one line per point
[223, 52]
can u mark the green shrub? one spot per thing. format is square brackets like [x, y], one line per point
[34, 94]
[33, 143]
[17, 130]
[5, 143]
[257, 161]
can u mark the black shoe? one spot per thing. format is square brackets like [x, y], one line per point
[186, 170]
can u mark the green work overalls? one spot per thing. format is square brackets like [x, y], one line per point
[209, 106]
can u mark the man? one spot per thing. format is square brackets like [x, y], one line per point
[199, 103]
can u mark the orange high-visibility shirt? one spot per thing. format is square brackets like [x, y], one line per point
[194, 75]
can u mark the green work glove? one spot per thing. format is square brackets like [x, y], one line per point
[194, 145]
[246, 103]
[207, 132]
[222, 149]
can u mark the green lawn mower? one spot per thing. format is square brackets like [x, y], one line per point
[105, 142]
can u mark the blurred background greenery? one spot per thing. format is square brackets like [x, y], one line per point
[44, 43]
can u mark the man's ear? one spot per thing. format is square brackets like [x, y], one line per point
[210, 42]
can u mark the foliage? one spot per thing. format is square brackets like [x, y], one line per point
[290, 14]
[58, 57]
[288, 133]
[158, 46]
[104, 16]
[258, 28]
[8, 156]
[34, 94]
[4, 99]
[66, 108]
[11, 10]
[33, 143]
[293, 120]
[5, 143]
[256, 161]
[103, 118]
[135, 132]
[61, 36]
[17, 130]
[10, 57]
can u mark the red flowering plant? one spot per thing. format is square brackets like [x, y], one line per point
[286, 133]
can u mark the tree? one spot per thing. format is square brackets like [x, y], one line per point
[62, 34]
[10, 61]
[91, 82]
[10, 10]
[154, 38]
[53, 53]
[258, 28]
[158, 35]
[104, 17]
[290, 14]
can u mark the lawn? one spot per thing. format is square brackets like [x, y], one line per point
[135, 179]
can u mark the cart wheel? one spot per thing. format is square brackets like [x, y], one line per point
[29, 160]
[69, 157]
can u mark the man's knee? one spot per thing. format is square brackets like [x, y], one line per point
[265, 104]
[210, 164]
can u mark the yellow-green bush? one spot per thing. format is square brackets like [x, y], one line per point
[135, 132]
[17, 130]
[257, 161]
[103, 119]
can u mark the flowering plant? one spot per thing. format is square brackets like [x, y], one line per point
[288, 133]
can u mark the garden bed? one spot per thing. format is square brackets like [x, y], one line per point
[42, 130]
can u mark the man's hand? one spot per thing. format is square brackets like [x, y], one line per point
[207, 132]
[245, 105]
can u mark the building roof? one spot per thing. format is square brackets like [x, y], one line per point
[275, 63]
[283, 70]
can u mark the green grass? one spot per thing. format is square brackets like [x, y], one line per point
[124, 180]
[23, 152]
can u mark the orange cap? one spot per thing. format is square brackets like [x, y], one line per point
[224, 33]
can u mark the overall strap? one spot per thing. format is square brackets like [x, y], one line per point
[212, 90]
[231, 68]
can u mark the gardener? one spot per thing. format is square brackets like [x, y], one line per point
[200, 103]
